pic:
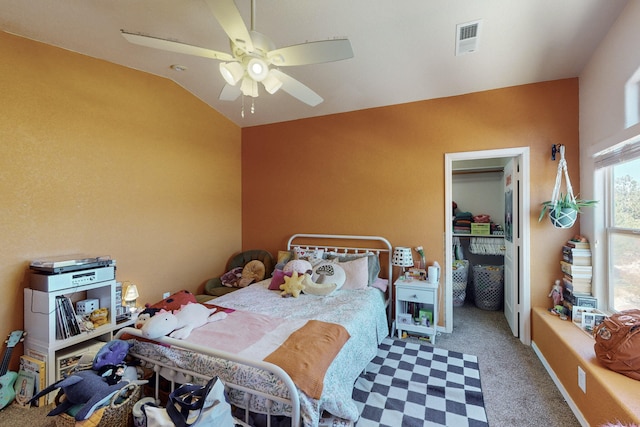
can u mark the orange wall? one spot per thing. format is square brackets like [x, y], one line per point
[381, 171]
[104, 160]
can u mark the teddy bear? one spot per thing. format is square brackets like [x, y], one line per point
[293, 285]
[99, 316]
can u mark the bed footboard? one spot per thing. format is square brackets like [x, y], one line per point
[176, 374]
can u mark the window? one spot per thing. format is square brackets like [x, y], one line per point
[621, 169]
[632, 100]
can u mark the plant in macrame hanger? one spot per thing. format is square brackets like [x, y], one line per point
[563, 208]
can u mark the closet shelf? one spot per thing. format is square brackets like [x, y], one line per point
[494, 236]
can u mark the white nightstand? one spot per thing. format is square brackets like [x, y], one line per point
[416, 307]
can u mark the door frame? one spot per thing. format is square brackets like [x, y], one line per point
[524, 305]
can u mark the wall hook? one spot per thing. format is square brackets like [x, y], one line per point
[554, 150]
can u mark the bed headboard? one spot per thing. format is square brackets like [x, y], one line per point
[351, 244]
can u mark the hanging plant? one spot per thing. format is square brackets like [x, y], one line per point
[564, 211]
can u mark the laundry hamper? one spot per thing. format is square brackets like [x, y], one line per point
[488, 286]
[460, 271]
[117, 414]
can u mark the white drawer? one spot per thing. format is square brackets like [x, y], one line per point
[425, 295]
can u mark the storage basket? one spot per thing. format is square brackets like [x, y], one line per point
[460, 270]
[488, 281]
[117, 414]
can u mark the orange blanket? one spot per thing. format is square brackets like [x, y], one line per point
[308, 352]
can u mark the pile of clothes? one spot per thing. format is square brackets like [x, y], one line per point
[462, 223]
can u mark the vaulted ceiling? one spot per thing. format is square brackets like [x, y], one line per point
[404, 51]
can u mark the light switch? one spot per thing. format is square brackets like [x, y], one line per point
[582, 380]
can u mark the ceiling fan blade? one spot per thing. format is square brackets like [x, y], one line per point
[231, 22]
[312, 53]
[296, 89]
[177, 47]
[230, 93]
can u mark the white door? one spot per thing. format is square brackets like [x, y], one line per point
[511, 258]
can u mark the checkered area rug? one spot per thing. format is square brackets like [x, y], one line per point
[413, 385]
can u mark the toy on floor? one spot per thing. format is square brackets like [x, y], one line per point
[88, 388]
[180, 323]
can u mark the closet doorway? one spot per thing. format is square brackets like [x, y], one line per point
[513, 166]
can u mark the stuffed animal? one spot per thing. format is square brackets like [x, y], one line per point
[144, 316]
[180, 323]
[292, 285]
[312, 288]
[93, 388]
[85, 388]
[99, 316]
[112, 353]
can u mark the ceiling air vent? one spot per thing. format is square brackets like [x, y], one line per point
[467, 36]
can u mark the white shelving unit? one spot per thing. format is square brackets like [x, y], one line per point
[40, 322]
[422, 295]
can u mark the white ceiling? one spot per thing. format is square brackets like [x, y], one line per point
[404, 51]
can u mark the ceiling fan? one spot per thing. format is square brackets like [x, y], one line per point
[254, 58]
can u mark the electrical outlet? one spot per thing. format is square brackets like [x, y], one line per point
[166, 295]
[582, 380]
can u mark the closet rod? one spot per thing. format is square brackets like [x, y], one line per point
[470, 171]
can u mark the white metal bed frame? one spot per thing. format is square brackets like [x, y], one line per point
[177, 375]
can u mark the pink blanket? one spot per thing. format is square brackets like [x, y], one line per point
[304, 349]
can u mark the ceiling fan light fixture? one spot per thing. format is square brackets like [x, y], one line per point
[271, 83]
[249, 87]
[257, 69]
[232, 72]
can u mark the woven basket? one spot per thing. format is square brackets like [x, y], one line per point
[488, 283]
[117, 414]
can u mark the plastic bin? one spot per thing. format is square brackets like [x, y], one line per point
[460, 270]
[488, 286]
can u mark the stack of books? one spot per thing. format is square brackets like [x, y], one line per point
[577, 270]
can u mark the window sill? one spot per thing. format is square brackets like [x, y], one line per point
[562, 348]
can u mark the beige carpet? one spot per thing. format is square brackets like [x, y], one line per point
[517, 389]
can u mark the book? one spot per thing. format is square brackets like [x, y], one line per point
[24, 387]
[578, 244]
[37, 367]
[579, 271]
[578, 257]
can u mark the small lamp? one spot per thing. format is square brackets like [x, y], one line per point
[402, 257]
[130, 297]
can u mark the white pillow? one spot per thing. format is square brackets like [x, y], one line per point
[329, 272]
[357, 273]
[299, 265]
[314, 256]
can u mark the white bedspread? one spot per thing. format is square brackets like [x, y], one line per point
[361, 312]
